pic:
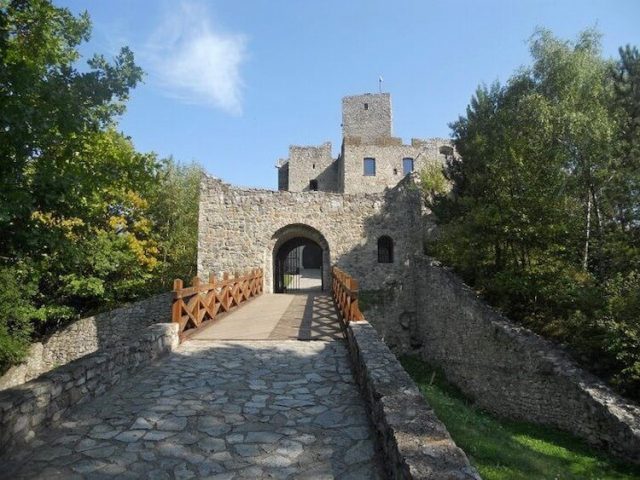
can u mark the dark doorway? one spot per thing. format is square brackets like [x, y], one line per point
[312, 256]
[298, 266]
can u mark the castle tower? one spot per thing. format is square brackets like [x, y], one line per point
[367, 117]
[371, 158]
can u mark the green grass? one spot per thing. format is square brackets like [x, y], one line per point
[288, 278]
[504, 449]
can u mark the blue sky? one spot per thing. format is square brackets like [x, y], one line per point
[231, 84]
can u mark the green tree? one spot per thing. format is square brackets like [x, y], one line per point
[47, 108]
[73, 192]
[101, 247]
[87, 222]
[542, 214]
[174, 209]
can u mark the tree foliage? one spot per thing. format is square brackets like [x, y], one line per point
[543, 214]
[175, 211]
[86, 221]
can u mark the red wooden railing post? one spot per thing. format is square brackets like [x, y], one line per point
[211, 298]
[345, 294]
[176, 306]
[225, 295]
[195, 283]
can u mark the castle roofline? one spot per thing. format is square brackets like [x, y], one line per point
[378, 94]
[323, 145]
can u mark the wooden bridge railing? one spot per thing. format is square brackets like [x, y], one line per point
[202, 302]
[345, 294]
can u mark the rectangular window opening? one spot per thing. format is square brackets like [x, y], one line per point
[366, 106]
[407, 165]
[369, 167]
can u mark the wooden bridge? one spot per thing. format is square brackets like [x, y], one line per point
[202, 310]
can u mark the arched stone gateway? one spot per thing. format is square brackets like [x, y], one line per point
[300, 254]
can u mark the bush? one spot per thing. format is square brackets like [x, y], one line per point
[17, 314]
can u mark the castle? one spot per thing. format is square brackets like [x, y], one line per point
[371, 158]
[365, 213]
[359, 211]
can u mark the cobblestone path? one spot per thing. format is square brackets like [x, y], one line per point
[219, 410]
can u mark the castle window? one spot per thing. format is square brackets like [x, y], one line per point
[313, 166]
[369, 167]
[407, 165]
[395, 171]
[313, 185]
[366, 106]
[446, 150]
[385, 249]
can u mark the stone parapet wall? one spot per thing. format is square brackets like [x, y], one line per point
[505, 368]
[38, 403]
[88, 335]
[413, 442]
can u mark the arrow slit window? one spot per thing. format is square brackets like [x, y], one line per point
[385, 249]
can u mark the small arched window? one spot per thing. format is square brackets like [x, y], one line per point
[385, 249]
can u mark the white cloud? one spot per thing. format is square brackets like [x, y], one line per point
[191, 61]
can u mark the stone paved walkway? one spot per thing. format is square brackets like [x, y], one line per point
[219, 410]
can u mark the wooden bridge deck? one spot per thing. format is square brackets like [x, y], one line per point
[309, 316]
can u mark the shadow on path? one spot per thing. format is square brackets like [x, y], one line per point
[308, 317]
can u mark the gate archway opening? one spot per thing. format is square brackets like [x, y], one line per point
[300, 260]
[298, 266]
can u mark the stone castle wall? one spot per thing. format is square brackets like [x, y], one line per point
[239, 229]
[506, 369]
[88, 335]
[312, 163]
[388, 158]
[367, 116]
[413, 441]
[283, 174]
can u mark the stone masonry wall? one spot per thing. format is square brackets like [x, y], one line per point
[312, 163]
[239, 229]
[505, 368]
[367, 122]
[388, 157]
[413, 441]
[88, 335]
[38, 403]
